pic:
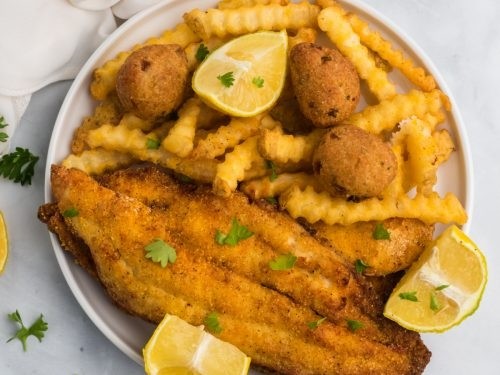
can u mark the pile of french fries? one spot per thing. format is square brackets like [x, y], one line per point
[257, 155]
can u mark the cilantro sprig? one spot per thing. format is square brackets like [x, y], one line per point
[37, 329]
[227, 79]
[381, 233]
[236, 233]
[202, 52]
[3, 135]
[354, 325]
[18, 166]
[315, 324]
[409, 296]
[152, 144]
[71, 212]
[161, 252]
[272, 167]
[258, 81]
[211, 321]
[360, 266]
[283, 262]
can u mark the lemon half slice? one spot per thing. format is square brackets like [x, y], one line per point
[245, 76]
[443, 287]
[177, 347]
[4, 243]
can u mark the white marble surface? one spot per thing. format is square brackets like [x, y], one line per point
[461, 37]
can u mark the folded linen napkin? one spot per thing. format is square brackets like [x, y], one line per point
[44, 41]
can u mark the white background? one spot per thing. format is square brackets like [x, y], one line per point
[461, 37]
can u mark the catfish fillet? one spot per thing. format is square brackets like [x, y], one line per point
[258, 311]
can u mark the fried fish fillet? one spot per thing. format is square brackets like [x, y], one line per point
[263, 312]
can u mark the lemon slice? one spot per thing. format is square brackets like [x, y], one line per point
[442, 288]
[245, 76]
[4, 243]
[177, 347]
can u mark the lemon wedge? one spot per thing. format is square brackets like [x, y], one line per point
[442, 287]
[245, 76]
[177, 347]
[4, 243]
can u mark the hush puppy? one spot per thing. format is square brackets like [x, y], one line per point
[153, 80]
[325, 82]
[352, 162]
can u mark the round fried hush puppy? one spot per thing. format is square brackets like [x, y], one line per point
[153, 80]
[352, 162]
[325, 82]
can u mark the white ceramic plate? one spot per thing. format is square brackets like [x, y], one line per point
[130, 334]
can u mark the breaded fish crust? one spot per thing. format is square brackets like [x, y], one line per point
[263, 312]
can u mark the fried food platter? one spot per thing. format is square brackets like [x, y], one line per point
[129, 333]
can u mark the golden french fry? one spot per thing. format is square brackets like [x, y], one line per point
[303, 35]
[267, 187]
[107, 112]
[333, 21]
[98, 161]
[233, 4]
[180, 138]
[104, 77]
[388, 113]
[193, 51]
[234, 166]
[445, 145]
[283, 148]
[395, 58]
[224, 22]
[133, 122]
[314, 206]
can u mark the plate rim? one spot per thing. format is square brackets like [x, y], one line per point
[63, 259]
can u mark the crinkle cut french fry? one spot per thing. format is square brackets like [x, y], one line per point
[233, 4]
[321, 206]
[388, 113]
[332, 21]
[107, 112]
[133, 122]
[223, 22]
[445, 145]
[233, 168]
[192, 49]
[265, 187]
[104, 77]
[374, 41]
[201, 170]
[283, 148]
[180, 138]
[98, 161]
[226, 136]
[303, 35]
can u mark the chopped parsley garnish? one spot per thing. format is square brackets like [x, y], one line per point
[236, 234]
[410, 296]
[271, 166]
[354, 325]
[18, 166]
[227, 79]
[360, 266]
[380, 233]
[161, 252]
[283, 262]
[202, 52]
[3, 135]
[152, 144]
[272, 200]
[441, 287]
[71, 212]
[37, 329]
[258, 81]
[316, 323]
[434, 303]
[212, 323]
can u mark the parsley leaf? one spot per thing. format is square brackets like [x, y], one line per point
[441, 287]
[212, 323]
[434, 303]
[258, 81]
[354, 325]
[152, 144]
[161, 252]
[410, 296]
[380, 233]
[315, 324]
[202, 52]
[272, 200]
[71, 212]
[360, 266]
[270, 165]
[18, 166]
[236, 234]
[3, 135]
[227, 79]
[283, 262]
[37, 329]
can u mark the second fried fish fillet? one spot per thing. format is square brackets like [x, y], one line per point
[259, 314]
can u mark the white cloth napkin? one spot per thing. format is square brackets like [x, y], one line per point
[44, 41]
